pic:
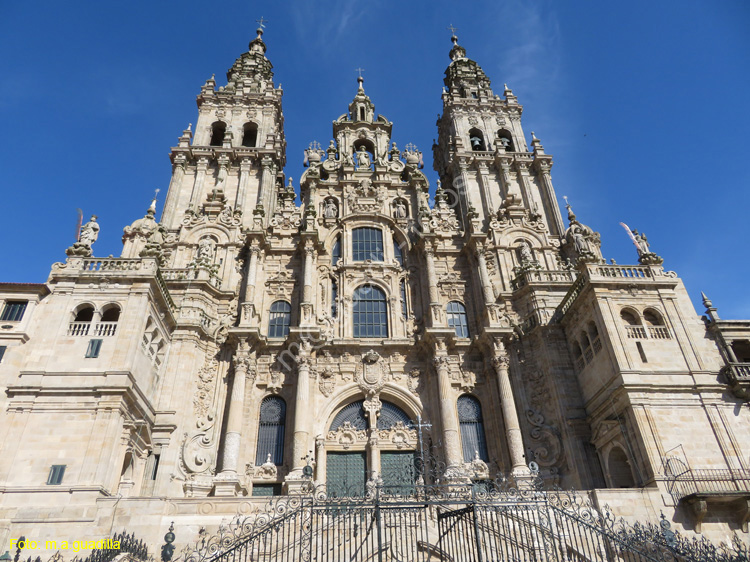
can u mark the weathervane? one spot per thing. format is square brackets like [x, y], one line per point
[453, 29]
[360, 71]
[261, 22]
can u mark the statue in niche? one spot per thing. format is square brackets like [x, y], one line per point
[399, 209]
[363, 158]
[205, 249]
[330, 210]
[89, 232]
[526, 256]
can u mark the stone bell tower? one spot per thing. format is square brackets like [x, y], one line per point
[481, 154]
[233, 162]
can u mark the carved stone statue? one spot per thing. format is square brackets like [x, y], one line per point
[89, 232]
[363, 158]
[330, 210]
[399, 209]
[641, 242]
[205, 249]
[526, 256]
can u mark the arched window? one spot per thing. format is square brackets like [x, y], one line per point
[398, 254]
[249, 135]
[370, 317]
[472, 428]
[280, 319]
[271, 431]
[367, 244]
[112, 314]
[629, 318]
[218, 131]
[476, 138]
[620, 475]
[652, 318]
[81, 324]
[353, 414]
[334, 298]
[86, 314]
[336, 251]
[404, 311]
[457, 319]
[390, 415]
[506, 140]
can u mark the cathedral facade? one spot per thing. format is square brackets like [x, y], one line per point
[245, 346]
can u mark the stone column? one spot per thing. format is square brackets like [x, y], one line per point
[489, 292]
[448, 417]
[173, 193]
[227, 482]
[307, 317]
[267, 183]
[244, 179]
[320, 459]
[433, 289]
[248, 306]
[200, 177]
[543, 166]
[501, 362]
[301, 411]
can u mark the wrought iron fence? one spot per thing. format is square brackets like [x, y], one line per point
[458, 522]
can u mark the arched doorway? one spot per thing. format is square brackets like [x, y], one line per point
[357, 450]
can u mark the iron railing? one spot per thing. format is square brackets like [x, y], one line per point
[460, 522]
[708, 481]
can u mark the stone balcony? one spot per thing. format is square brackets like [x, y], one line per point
[738, 377]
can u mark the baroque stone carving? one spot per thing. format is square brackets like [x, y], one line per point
[398, 436]
[365, 197]
[371, 373]
[347, 435]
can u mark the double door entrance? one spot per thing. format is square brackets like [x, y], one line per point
[347, 472]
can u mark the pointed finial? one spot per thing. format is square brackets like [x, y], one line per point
[360, 80]
[152, 207]
[571, 214]
[706, 301]
[190, 127]
[453, 33]
[533, 136]
[261, 26]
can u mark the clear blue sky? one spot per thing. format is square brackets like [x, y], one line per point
[642, 104]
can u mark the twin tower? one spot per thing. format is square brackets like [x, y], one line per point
[244, 346]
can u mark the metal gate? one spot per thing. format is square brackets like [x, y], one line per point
[456, 523]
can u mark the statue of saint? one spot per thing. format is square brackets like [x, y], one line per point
[526, 256]
[330, 210]
[641, 242]
[206, 249]
[363, 158]
[89, 232]
[579, 240]
[399, 209]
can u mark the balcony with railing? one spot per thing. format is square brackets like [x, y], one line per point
[100, 329]
[738, 377]
[543, 277]
[701, 487]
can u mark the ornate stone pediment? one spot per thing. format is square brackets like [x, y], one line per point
[365, 197]
[398, 436]
[347, 435]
